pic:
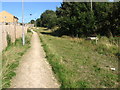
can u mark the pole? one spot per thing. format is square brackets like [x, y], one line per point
[23, 34]
[91, 5]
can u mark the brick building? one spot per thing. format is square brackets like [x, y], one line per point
[6, 17]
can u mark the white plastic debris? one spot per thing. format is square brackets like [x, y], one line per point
[113, 69]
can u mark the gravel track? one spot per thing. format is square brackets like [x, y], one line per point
[34, 71]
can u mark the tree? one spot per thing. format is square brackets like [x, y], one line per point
[32, 22]
[48, 19]
[38, 22]
[76, 18]
[115, 19]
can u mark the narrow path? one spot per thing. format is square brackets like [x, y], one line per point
[34, 71]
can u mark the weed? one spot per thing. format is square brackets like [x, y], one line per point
[97, 69]
[83, 84]
[102, 49]
[80, 64]
[11, 57]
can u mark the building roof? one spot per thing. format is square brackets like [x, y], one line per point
[8, 13]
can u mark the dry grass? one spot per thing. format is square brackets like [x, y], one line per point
[10, 59]
[78, 63]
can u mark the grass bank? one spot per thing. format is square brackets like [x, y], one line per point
[11, 57]
[78, 63]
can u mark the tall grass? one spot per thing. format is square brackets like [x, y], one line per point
[78, 63]
[107, 46]
[11, 57]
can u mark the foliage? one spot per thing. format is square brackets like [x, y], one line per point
[47, 19]
[77, 19]
[39, 22]
[32, 22]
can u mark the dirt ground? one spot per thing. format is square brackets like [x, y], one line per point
[34, 71]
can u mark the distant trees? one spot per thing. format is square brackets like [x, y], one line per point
[32, 22]
[115, 19]
[38, 22]
[107, 18]
[77, 19]
[47, 19]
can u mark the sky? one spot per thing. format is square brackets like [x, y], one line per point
[111, 0]
[34, 8]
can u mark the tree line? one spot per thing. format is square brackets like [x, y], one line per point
[77, 19]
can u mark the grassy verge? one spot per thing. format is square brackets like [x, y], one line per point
[10, 59]
[78, 63]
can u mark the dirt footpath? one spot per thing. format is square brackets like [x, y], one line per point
[34, 71]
